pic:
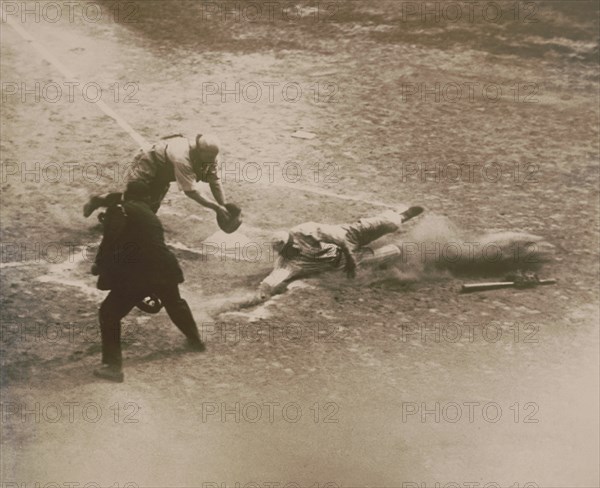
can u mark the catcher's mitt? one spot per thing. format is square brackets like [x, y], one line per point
[230, 225]
[150, 304]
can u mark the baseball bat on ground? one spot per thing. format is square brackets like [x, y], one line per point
[473, 287]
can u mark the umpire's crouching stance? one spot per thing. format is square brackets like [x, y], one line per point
[133, 262]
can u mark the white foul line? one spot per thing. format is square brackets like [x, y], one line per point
[137, 137]
[54, 61]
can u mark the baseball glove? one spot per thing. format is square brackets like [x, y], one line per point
[233, 223]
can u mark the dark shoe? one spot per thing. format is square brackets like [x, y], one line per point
[196, 345]
[411, 213]
[108, 372]
[90, 206]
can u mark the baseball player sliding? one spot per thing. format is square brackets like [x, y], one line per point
[312, 248]
[174, 158]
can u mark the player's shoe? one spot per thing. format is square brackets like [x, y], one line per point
[411, 213]
[109, 372]
[92, 204]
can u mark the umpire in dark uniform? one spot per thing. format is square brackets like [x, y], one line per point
[133, 262]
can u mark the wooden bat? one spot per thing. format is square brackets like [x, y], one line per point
[503, 284]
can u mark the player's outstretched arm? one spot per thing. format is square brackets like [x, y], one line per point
[350, 263]
[217, 190]
[205, 202]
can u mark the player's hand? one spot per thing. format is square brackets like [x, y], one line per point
[264, 291]
[350, 269]
[223, 213]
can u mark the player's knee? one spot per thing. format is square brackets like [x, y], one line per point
[392, 218]
[106, 315]
[175, 304]
[103, 315]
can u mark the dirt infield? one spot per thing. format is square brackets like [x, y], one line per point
[493, 126]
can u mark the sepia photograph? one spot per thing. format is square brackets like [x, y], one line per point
[300, 244]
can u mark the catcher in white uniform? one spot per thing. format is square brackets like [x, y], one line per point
[174, 158]
[312, 248]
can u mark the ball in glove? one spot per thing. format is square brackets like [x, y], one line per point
[233, 223]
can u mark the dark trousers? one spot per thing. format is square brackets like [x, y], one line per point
[119, 303]
[157, 194]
